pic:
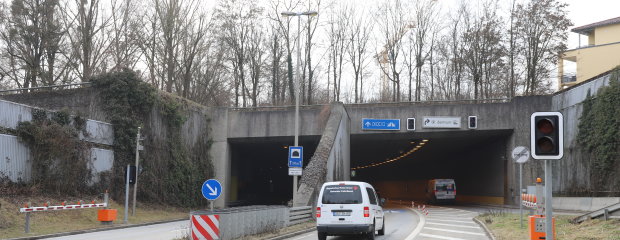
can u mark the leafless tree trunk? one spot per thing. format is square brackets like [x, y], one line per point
[358, 37]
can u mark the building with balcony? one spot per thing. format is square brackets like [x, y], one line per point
[600, 55]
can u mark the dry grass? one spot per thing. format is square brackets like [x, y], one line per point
[12, 221]
[506, 227]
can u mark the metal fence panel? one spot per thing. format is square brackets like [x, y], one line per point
[13, 113]
[101, 160]
[15, 160]
[98, 132]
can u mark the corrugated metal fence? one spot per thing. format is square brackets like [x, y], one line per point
[15, 159]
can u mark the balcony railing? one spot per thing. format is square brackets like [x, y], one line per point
[569, 78]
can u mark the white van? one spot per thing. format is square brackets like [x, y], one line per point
[349, 208]
[441, 190]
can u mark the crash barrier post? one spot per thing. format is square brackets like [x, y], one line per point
[237, 222]
[63, 206]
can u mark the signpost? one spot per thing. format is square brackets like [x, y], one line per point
[211, 190]
[441, 122]
[381, 124]
[295, 160]
[521, 154]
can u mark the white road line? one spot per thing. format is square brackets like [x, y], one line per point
[418, 228]
[449, 218]
[439, 237]
[454, 231]
[455, 215]
[452, 225]
[443, 220]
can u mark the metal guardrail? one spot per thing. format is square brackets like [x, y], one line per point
[605, 212]
[237, 222]
[299, 215]
[51, 87]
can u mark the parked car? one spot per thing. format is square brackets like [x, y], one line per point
[349, 208]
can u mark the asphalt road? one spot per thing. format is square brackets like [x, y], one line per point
[162, 231]
[399, 222]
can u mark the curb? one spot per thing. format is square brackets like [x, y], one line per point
[95, 230]
[300, 232]
[486, 230]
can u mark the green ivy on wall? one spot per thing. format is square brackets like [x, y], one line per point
[599, 132]
[172, 172]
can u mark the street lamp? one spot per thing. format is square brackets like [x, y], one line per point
[298, 79]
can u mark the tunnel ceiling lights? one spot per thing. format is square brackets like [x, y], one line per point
[417, 147]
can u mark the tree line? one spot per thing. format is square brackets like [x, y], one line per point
[243, 53]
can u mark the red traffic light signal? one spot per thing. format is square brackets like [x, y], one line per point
[547, 135]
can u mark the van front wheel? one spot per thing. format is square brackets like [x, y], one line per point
[382, 231]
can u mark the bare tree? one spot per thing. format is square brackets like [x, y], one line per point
[358, 37]
[284, 27]
[393, 24]
[425, 12]
[338, 44]
[86, 32]
[126, 25]
[541, 27]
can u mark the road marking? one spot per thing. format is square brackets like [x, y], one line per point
[443, 220]
[452, 225]
[447, 218]
[418, 228]
[454, 231]
[439, 237]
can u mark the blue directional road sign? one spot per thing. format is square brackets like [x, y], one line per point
[380, 124]
[211, 189]
[295, 156]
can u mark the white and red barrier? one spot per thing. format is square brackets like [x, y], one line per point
[205, 227]
[27, 209]
[422, 208]
[528, 200]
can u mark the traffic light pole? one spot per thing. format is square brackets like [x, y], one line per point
[135, 183]
[548, 200]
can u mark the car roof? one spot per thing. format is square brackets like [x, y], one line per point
[348, 183]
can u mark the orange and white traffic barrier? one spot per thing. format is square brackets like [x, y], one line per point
[529, 200]
[205, 227]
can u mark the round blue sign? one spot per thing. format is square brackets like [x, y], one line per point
[211, 189]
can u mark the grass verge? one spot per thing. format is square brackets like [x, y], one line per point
[505, 226]
[41, 223]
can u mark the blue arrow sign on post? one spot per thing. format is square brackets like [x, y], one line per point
[295, 156]
[211, 189]
[380, 124]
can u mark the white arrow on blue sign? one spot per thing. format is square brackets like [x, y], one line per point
[380, 124]
[211, 189]
[295, 156]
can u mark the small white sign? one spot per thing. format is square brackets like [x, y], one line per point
[441, 122]
[520, 154]
[294, 171]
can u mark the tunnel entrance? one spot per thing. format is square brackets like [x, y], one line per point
[399, 165]
[259, 169]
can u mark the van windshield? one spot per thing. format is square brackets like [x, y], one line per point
[342, 194]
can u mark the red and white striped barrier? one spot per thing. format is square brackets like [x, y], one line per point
[205, 227]
[529, 200]
[422, 208]
[61, 207]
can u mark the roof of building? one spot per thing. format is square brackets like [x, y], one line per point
[586, 29]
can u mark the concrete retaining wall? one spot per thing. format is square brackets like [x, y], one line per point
[586, 204]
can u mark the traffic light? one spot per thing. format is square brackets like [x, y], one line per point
[547, 135]
[473, 122]
[410, 124]
[132, 174]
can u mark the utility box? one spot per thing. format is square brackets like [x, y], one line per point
[537, 227]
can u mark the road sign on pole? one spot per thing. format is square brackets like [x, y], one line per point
[521, 154]
[211, 189]
[295, 156]
[295, 171]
